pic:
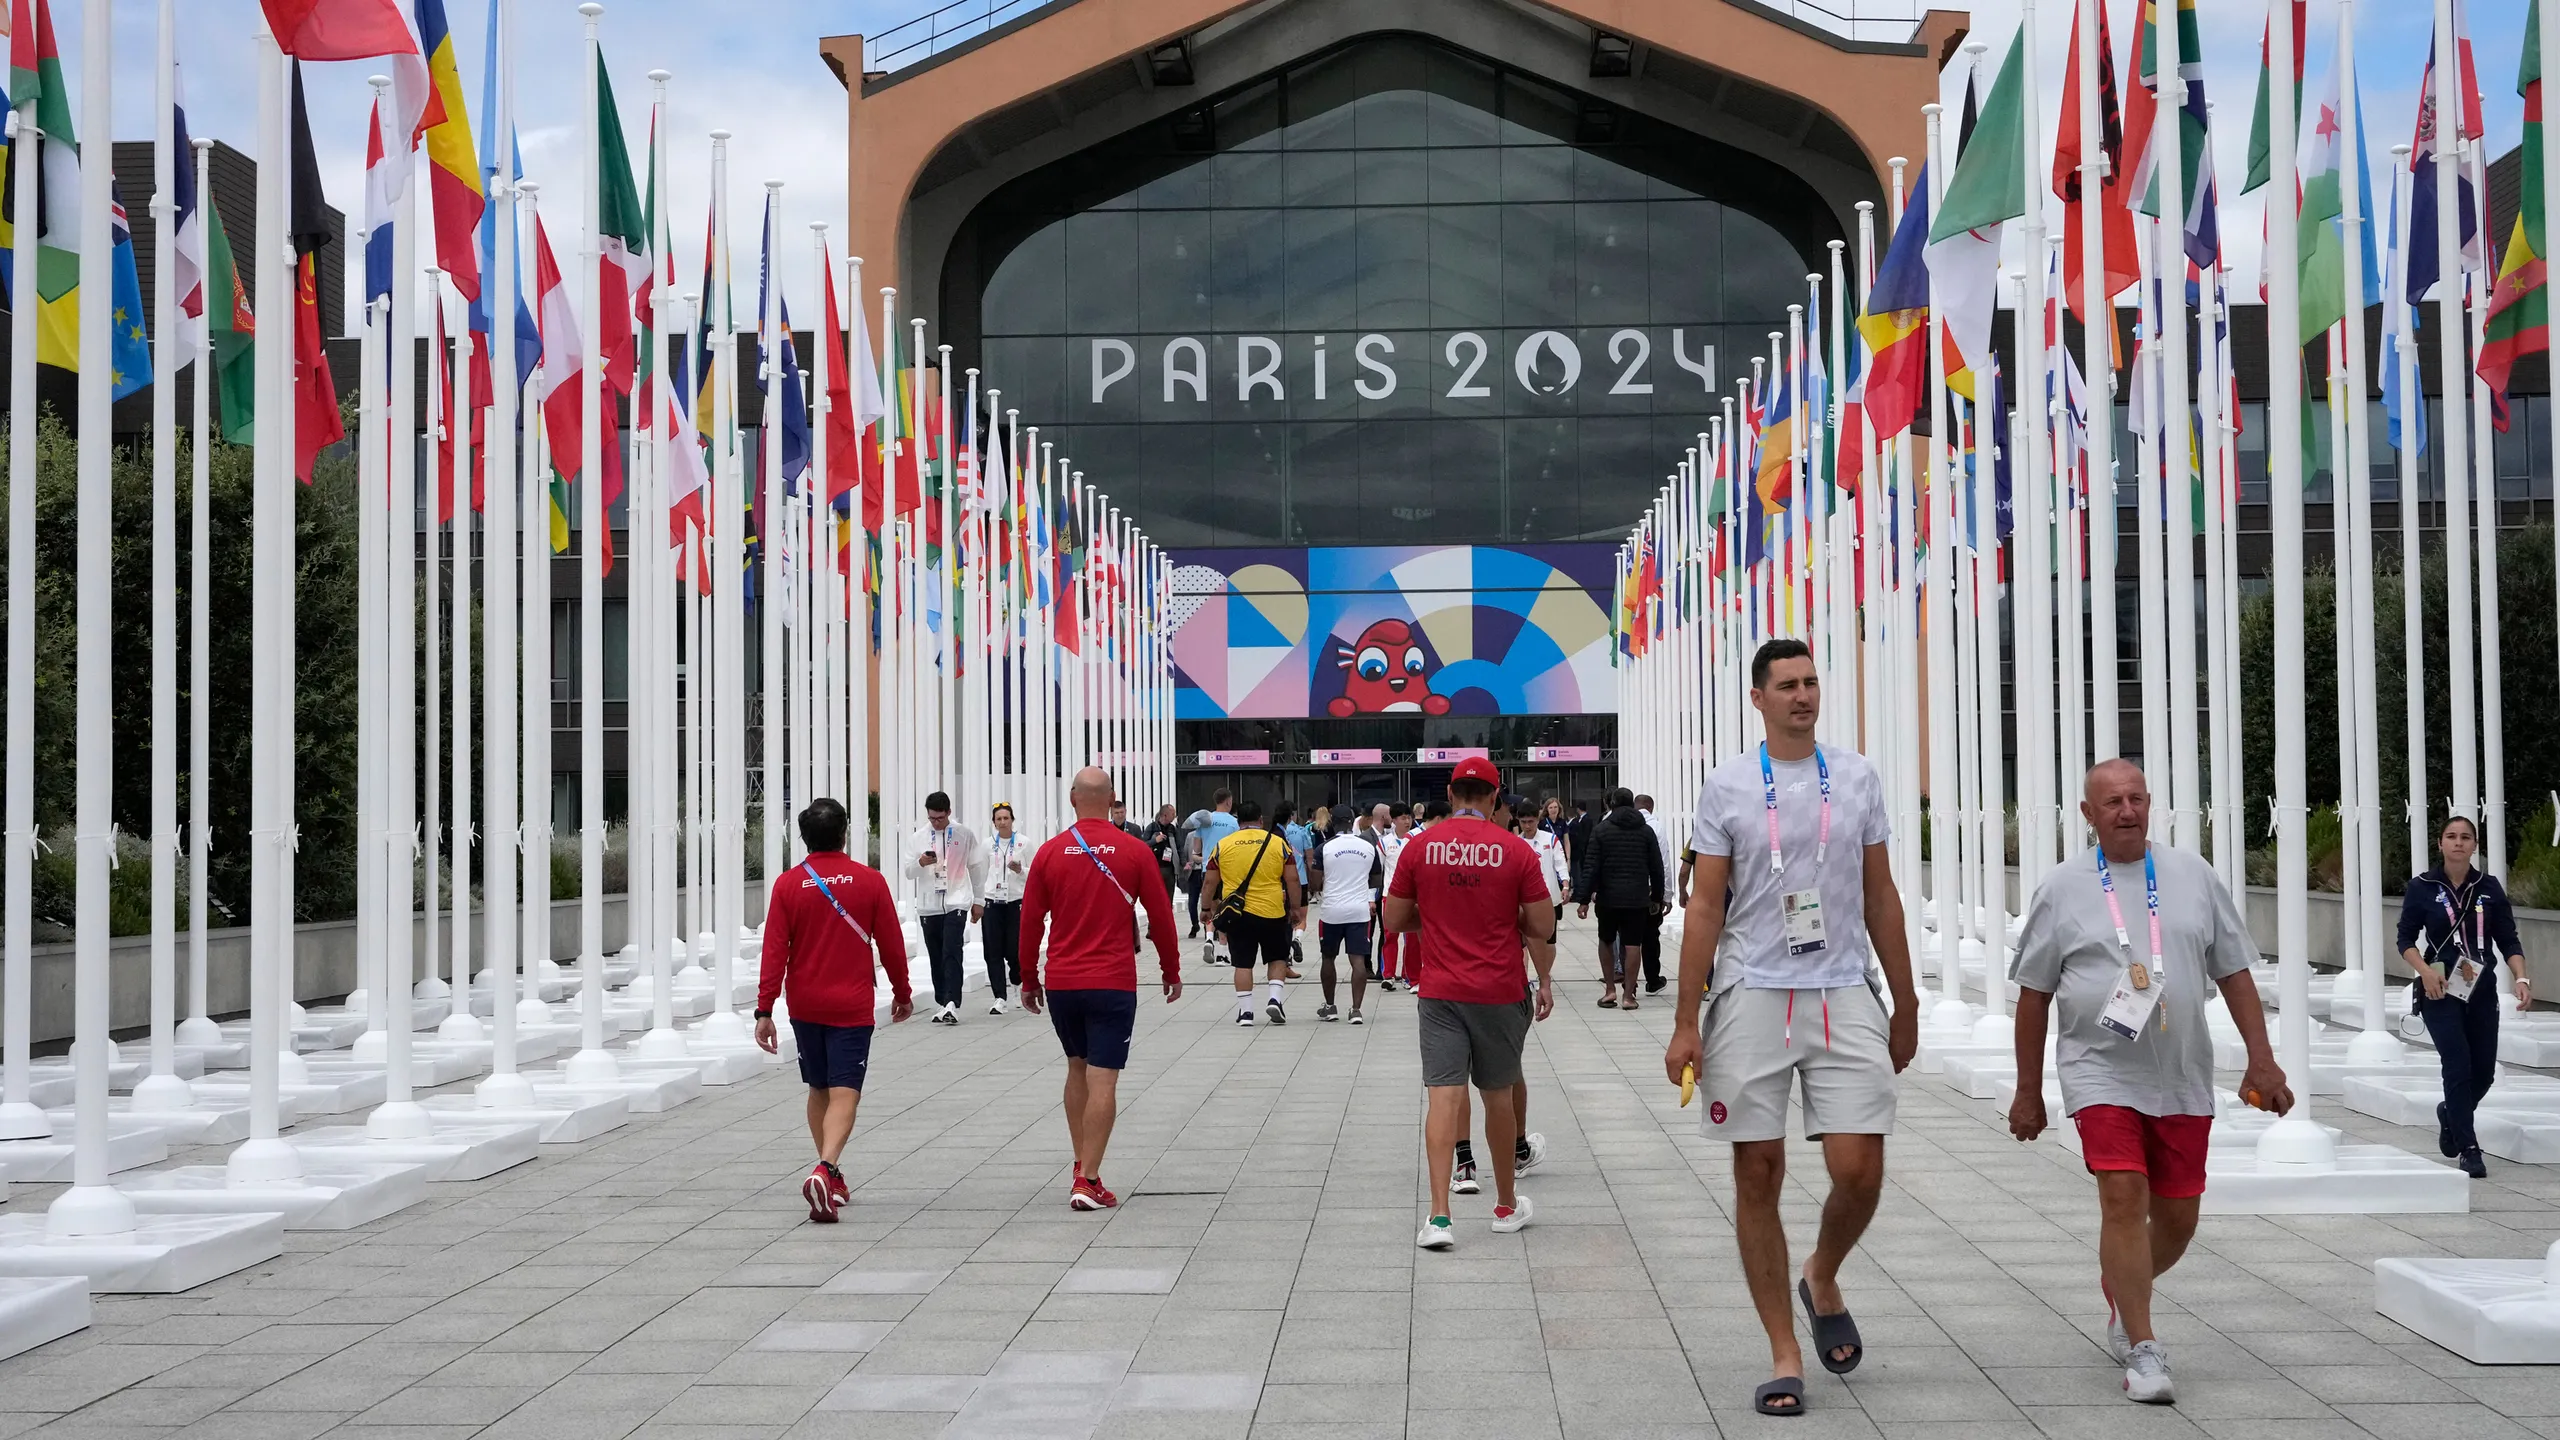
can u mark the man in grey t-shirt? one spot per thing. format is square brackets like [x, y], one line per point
[1787, 920]
[2120, 945]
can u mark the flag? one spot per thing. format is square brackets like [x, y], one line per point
[35, 73]
[1777, 444]
[782, 369]
[2196, 208]
[233, 327]
[555, 387]
[2322, 252]
[381, 186]
[129, 344]
[848, 420]
[2261, 136]
[448, 425]
[187, 256]
[622, 233]
[316, 424]
[2115, 216]
[2422, 262]
[361, 30]
[2519, 322]
[1896, 323]
[1067, 548]
[1988, 188]
[528, 334]
[453, 169]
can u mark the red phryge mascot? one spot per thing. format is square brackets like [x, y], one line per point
[1389, 674]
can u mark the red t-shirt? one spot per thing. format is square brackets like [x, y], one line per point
[1469, 878]
[809, 944]
[1092, 930]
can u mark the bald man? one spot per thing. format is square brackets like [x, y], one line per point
[1085, 890]
[2133, 1053]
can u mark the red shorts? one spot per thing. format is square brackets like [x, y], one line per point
[2167, 1148]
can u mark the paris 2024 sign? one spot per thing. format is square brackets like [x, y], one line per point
[1393, 630]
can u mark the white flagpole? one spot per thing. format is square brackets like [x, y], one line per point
[857, 648]
[2412, 591]
[161, 1089]
[198, 1028]
[460, 423]
[946, 647]
[828, 669]
[20, 1119]
[656, 776]
[2221, 668]
[2493, 746]
[535, 960]
[723, 1026]
[2097, 365]
[2375, 1041]
[2452, 432]
[390, 1003]
[2152, 626]
[2176, 748]
[2031, 592]
[1945, 878]
[592, 1064]
[503, 843]
[889, 664]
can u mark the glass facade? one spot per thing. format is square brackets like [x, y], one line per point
[1392, 295]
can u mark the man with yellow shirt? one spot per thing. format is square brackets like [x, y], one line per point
[1255, 866]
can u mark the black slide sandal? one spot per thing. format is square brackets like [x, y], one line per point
[1832, 1332]
[1785, 1387]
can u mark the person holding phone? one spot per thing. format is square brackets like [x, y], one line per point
[947, 870]
[2455, 928]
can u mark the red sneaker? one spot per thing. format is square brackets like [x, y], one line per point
[837, 1187]
[820, 1191]
[1089, 1195]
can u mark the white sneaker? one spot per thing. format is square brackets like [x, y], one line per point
[2119, 1345]
[1536, 1157]
[998, 1007]
[1516, 1219]
[1437, 1234]
[1462, 1179]
[2146, 1375]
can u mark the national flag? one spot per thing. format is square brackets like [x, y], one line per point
[1896, 323]
[622, 234]
[2122, 268]
[2196, 207]
[2322, 242]
[362, 30]
[129, 344]
[1067, 550]
[1988, 189]
[36, 73]
[2261, 135]
[316, 423]
[186, 256]
[782, 369]
[2395, 317]
[448, 424]
[555, 387]
[453, 168]
[2519, 321]
[2422, 261]
[381, 186]
[528, 334]
[849, 421]
[233, 326]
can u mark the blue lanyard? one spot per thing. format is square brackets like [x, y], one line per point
[821, 882]
[1769, 794]
[2150, 898]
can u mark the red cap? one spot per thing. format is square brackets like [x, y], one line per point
[1477, 768]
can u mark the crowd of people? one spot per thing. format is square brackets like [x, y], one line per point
[1793, 989]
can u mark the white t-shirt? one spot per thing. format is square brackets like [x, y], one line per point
[1347, 860]
[1733, 820]
[1004, 883]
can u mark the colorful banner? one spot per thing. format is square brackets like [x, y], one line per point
[1377, 630]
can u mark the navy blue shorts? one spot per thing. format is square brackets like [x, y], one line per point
[1093, 1025]
[832, 1057]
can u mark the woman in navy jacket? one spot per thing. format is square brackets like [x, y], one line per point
[2455, 925]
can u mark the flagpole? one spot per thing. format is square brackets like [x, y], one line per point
[2453, 434]
[426, 632]
[2097, 348]
[889, 662]
[1945, 880]
[2176, 462]
[946, 644]
[2151, 629]
[2547, 64]
[161, 1089]
[2031, 592]
[20, 1119]
[460, 422]
[857, 647]
[534, 958]
[2375, 1042]
[592, 1064]
[2221, 666]
[503, 844]
[828, 670]
[651, 628]
[198, 1028]
[729, 648]
[398, 1117]
[373, 523]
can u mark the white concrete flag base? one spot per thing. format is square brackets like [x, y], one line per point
[452, 1150]
[35, 1311]
[206, 1122]
[131, 1144]
[650, 1087]
[2489, 1312]
[559, 1116]
[161, 1255]
[2529, 1039]
[2346, 1004]
[2411, 1099]
[2298, 1167]
[339, 1196]
[335, 1095]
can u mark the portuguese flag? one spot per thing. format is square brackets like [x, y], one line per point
[2520, 306]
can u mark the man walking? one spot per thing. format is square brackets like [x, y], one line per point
[1793, 1002]
[1254, 864]
[1622, 873]
[944, 865]
[1216, 824]
[826, 919]
[1087, 886]
[2133, 1052]
[1397, 829]
[1476, 890]
[1346, 873]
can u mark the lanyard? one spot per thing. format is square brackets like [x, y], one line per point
[2150, 899]
[1075, 832]
[1769, 793]
[2479, 921]
[821, 882]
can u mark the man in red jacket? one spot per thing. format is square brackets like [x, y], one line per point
[821, 925]
[1089, 883]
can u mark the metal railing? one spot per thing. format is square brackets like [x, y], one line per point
[938, 30]
[935, 31]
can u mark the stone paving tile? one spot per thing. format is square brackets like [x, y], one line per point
[1258, 1280]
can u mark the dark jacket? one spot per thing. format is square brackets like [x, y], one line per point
[1621, 866]
[2480, 902]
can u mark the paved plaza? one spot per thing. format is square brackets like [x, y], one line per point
[1259, 1278]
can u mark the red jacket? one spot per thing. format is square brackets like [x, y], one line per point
[807, 943]
[1095, 943]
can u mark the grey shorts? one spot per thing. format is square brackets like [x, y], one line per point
[1832, 1045]
[1467, 1043]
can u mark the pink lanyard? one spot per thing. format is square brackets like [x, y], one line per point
[2473, 948]
[2150, 898]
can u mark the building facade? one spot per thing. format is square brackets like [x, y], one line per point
[1385, 316]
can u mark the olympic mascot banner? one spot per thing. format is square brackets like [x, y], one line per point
[1385, 630]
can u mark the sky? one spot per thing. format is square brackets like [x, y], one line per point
[753, 69]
